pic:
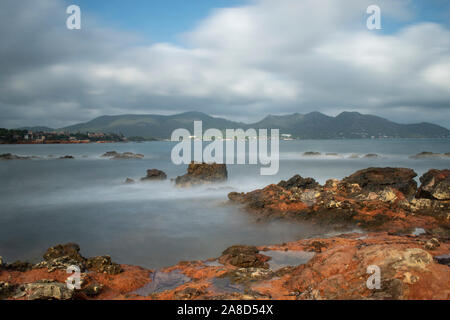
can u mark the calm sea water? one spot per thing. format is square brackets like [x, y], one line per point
[45, 202]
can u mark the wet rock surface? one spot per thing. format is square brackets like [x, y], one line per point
[202, 173]
[336, 268]
[373, 198]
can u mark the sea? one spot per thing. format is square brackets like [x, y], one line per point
[47, 201]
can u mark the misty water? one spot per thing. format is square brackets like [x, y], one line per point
[50, 201]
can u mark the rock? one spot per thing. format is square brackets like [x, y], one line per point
[19, 266]
[103, 264]
[201, 173]
[298, 182]
[2, 262]
[129, 181]
[371, 155]
[435, 184]
[443, 259]
[120, 156]
[432, 244]
[155, 175]
[60, 263]
[66, 157]
[377, 179]
[9, 156]
[6, 289]
[425, 155]
[109, 154]
[93, 290]
[311, 154]
[244, 275]
[354, 156]
[44, 290]
[244, 257]
[69, 250]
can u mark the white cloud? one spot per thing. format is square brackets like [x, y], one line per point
[265, 57]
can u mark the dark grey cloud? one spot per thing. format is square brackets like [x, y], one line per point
[272, 57]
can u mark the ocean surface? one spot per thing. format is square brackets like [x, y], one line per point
[50, 201]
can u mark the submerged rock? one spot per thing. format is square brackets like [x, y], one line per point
[435, 185]
[425, 155]
[371, 155]
[311, 154]
[119, 156]
[10, 156]
[129, 181]
[155, 175]
[202, 173]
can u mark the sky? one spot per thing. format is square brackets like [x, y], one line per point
[238, 59]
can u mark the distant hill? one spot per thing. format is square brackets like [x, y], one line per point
[37, 129]
[314, 125]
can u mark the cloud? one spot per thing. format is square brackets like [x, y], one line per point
[265, 57]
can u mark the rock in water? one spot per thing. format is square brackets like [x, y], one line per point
[155, 175]
[378, 179]
[118, 156]
[244, 257]
[129, 181]
[201, 173]
[435, 185]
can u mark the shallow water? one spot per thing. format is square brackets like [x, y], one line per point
[45, 202]
[281, 259]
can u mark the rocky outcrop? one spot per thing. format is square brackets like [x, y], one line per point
[121, 156]
[409, 269]
[374, 198]
[435, 185]
[61, 257]
[299, 183]
[377, 179]
[68, 157]
[154, 175]
[202, 173]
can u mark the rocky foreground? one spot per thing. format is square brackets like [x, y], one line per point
[406, 236]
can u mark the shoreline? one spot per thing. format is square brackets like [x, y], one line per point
[406, 235]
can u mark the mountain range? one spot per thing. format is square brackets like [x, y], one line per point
[314, 125]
